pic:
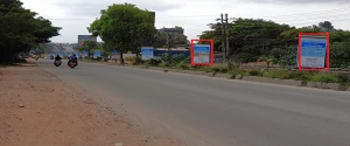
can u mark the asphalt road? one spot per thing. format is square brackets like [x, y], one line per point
[208, 111]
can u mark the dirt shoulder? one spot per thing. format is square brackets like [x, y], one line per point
[37, 109]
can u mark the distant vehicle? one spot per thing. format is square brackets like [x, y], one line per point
[73, 61]
[57, 63]
[72, 64]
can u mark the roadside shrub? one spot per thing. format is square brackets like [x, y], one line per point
[176, 59]
[343, 78]
[224, 70]
[215, 69]
[153, 62]
[255, 73]
[138, 60]
[163, 64]
[219, 68]
[280, 74]
[231, 65]
[166, 60]
[183, 65]
[202, 68]
[298, 75]
[238, 73]
[234, 75]
[325, 78]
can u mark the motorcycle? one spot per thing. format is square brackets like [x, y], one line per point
[72, 64]
[57, 63]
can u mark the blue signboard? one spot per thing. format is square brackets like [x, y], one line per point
[201, 54]
[115, 52]
[313, 52]
[147, 53]
[97, 54]
[84, 53]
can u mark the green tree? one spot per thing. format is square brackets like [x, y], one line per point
[254, 38]
[214, 34]
[21, 30]
[125, 27]
[251, 39]
[326, 26]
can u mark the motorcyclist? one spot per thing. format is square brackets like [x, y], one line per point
[58, 58]
[58, 61]
[73, 59]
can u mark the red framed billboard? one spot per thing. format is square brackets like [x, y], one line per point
[202, 52]
[314, 51]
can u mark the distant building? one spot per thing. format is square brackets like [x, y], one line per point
[175, 30]
[82, 38]
[171, 38]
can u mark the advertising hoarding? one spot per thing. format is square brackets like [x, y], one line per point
[202, 54]
[147, 53]
[313, 51]
[82, 38]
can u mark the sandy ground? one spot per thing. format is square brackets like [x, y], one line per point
[37, 109]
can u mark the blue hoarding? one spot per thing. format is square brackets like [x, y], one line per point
[147, 53]
[313, 52]
[97, 54]
[201, 54]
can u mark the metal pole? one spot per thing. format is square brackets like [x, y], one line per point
[227, 38]
[223, 31]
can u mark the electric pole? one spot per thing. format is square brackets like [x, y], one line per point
[223, 34]
[223, 25]
[227, 38]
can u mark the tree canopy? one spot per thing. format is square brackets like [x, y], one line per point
[125, 27]
[21, 30]
[251, 39]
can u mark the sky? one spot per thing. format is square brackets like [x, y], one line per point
[74, 16]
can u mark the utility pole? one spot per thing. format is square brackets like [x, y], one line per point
[223, 32]
[227, 38]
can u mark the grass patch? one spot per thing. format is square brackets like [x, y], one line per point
[183, 66]
[325, 78]
[286, 74]
[257, 73]
[238, 73]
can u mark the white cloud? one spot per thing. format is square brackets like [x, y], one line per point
[299, 1]
[194, 15]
